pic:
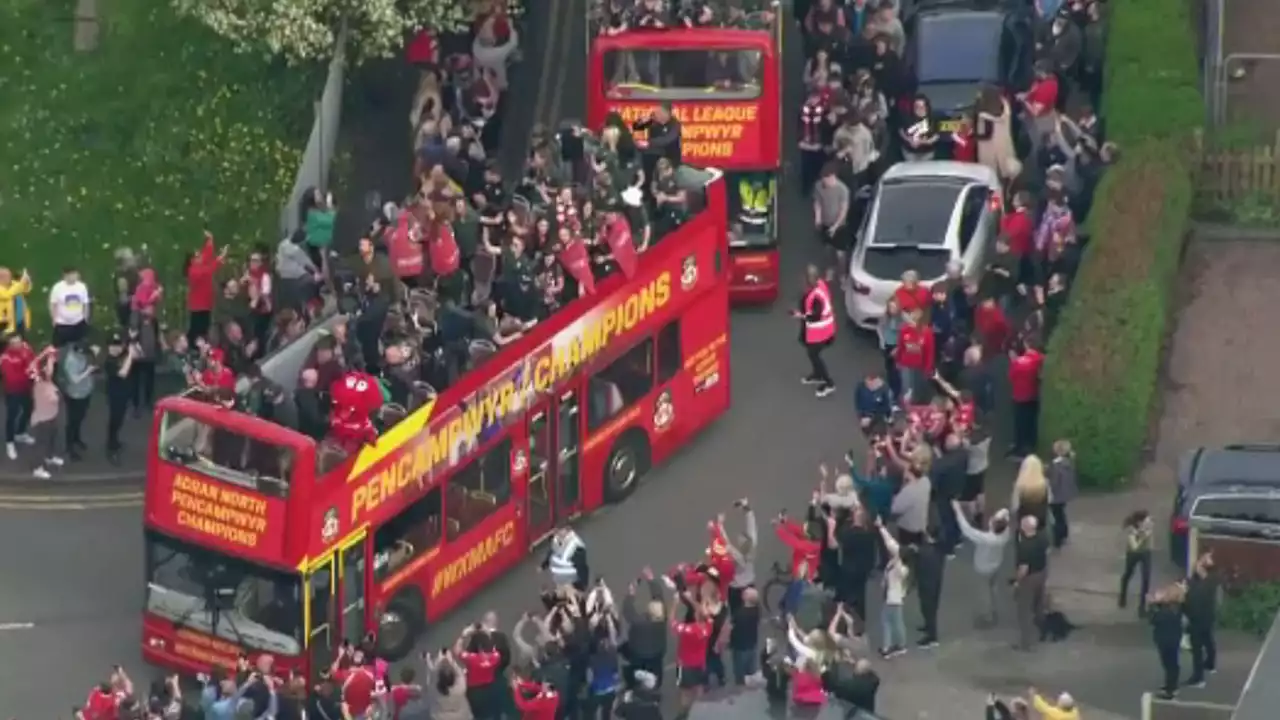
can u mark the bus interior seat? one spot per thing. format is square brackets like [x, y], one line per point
[329, 456]
[419, 393]
[390, 414]
[479, 351]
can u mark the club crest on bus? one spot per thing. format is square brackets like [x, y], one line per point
[664, 411]
[330, 526]
[689, 272]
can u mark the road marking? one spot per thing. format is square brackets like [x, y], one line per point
[70, 502]
[16, 626]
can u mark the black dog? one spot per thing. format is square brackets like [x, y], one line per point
[1055, 627]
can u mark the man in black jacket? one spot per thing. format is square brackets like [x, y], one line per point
[1201, 609]
[663, 138]
[646, 646]
[855, 684]
[927, 564]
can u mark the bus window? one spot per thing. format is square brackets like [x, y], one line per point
[620, 385]
[226, 454]
[477, 490]
[683, 74]
[408, 535]
[251, 605]
[669, 357]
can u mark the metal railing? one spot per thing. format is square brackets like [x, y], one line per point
[313, 171]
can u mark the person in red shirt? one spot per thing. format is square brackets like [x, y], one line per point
[911, 295]
[804, 558]
[1041, 104]
[535, 701]
[992, 327]
[217, 376]
[360, 689]
[915, 354]
[483, 663]
[1025, 364]
[693, 637]
[102, 704]
[201, 268]
[1019, 228]
[964, 147]
[18, 382]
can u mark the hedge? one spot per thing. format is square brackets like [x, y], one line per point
[1101, 375]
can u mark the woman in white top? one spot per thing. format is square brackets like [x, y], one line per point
[894, 641]
[69, 307]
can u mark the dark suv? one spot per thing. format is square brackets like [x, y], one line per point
[1230, 492]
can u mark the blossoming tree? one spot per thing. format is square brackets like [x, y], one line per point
[307, 30]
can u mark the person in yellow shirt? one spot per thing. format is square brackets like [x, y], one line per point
[1063, 709]
[15, 313]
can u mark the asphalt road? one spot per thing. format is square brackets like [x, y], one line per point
[72, 580]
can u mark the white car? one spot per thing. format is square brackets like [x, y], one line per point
[921, 216]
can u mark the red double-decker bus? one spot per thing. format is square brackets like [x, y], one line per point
[261, 540]
[724, 84]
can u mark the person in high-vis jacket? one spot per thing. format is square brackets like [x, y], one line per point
[567, 560]
[817, 329]
[756, 195]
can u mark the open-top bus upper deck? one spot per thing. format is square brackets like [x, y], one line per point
[242, 512]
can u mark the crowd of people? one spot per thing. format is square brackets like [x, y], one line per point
[472, 259]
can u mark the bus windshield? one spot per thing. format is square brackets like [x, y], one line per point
[251, 605]
[751, 205]
[226, 454]
[683, 74]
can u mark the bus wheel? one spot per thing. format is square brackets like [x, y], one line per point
[399, 626]
[626, 465]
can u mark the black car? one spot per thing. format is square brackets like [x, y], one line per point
[953, 50]
[1233, 491]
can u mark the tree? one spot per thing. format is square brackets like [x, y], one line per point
[307, 30]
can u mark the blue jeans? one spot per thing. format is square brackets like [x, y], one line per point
[745, 663]
[893, 627]
[791, 598]
[912, 381]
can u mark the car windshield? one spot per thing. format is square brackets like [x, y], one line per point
[961, 47]
[251, 605]
[225, 453]
[914, 214]
[683, 74]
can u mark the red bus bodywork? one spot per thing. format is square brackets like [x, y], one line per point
[558, 423]
[737, 134]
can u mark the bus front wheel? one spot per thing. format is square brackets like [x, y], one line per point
[626, 465]
[399, 626]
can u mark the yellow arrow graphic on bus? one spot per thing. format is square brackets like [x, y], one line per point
[392, 440]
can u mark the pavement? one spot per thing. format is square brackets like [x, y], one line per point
[70, 609]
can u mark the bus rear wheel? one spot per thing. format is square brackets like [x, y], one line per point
[627, 463]
[399, 627]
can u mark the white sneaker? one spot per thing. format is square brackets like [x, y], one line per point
[25, 439]
[55, 461]
[41, 473]
[11, 451]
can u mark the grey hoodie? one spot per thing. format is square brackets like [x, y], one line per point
[1061, 475]
[744, 558]
[292, 261]
[988, 547]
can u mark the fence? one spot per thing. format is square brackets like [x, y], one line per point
[321, 144]
[1231, 174]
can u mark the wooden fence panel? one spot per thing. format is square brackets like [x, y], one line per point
[1230, 175]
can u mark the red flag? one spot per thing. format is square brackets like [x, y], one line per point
[573, 256]
[617, 232]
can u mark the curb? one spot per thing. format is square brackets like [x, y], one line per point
[74, 480]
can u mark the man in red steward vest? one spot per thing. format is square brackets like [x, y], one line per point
[817, 329]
